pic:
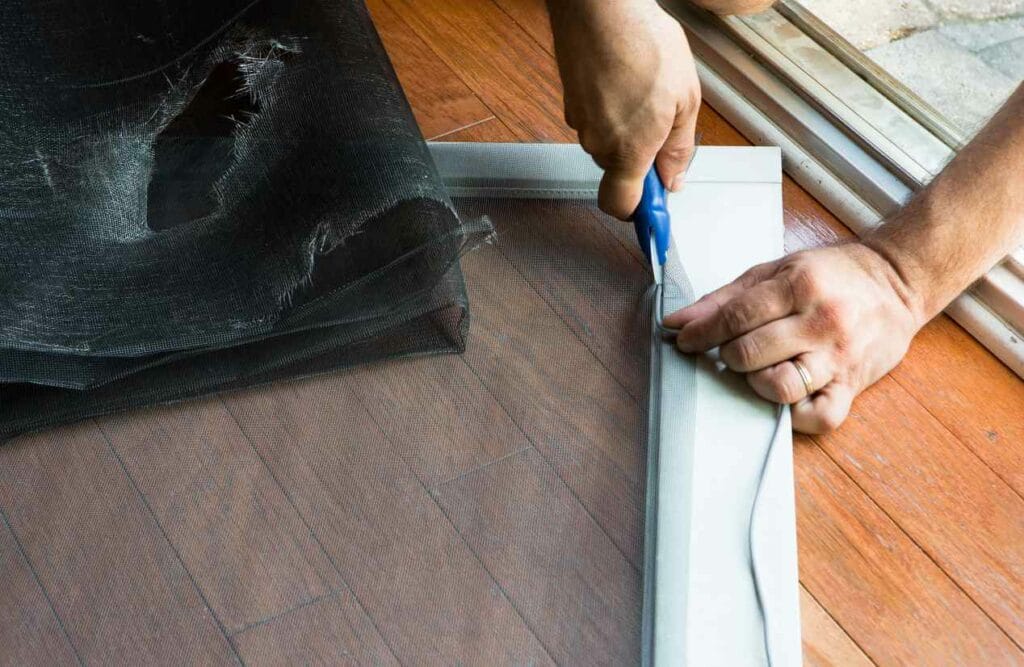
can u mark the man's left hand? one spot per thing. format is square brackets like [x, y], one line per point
[842, 313]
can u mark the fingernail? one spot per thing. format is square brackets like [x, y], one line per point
[677, 182]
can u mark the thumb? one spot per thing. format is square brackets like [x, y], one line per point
[677, 151]
[620, 192]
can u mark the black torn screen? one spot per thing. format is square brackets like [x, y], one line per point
[199, 196]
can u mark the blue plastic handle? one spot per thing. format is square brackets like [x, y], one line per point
[651, 218]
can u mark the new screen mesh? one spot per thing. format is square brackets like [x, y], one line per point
[483, 508]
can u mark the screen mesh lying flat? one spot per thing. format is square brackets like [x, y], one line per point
[482, 508]
[490, 505]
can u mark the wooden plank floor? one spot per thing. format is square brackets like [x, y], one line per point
[338, 520]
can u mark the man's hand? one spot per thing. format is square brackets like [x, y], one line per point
[631, 92]
[843, 313]
[846, 314]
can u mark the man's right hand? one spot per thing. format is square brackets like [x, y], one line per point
[631, 92]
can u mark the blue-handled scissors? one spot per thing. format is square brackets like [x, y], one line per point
[654, 231]
[651, 219]
[653, 224]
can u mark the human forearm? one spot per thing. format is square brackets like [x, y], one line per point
[969, 218]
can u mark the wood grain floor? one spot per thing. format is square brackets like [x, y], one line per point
[336, 520]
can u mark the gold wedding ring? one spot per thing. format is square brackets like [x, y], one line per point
[805, 375]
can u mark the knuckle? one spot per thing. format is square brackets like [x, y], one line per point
[663, 114]
[681, 94]
[806, 282]
[834, 317]
[736, 317]
[615, 207]
[617, 140]
[741, 354]
[571, 114]
[625, 152]
[691, 99]
[613, 162]
[832, 414]
[842, 348]
[675, 153]
[692, 94]
[756, 274]
[591, 143]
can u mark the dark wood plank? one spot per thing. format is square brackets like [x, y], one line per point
[578, 416]
[426, 592]
[967, 519]
[111, 575]
[584, 290]
[332, 630]
[594, 279]
[437, 415]
[30, 632]
[440, 101]
[233, 527]
[886, 593]
[575, 589]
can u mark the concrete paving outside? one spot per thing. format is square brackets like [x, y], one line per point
[964, 57]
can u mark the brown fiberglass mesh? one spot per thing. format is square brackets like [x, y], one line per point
[478, 509]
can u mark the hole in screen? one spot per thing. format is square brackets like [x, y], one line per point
[196, 148]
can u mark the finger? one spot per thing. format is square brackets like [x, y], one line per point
[823, 412]
[625, 167]
[782, 382]
[620, 191]
[765, 346]
[676, 153]
[708, 304]
[765, 302]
